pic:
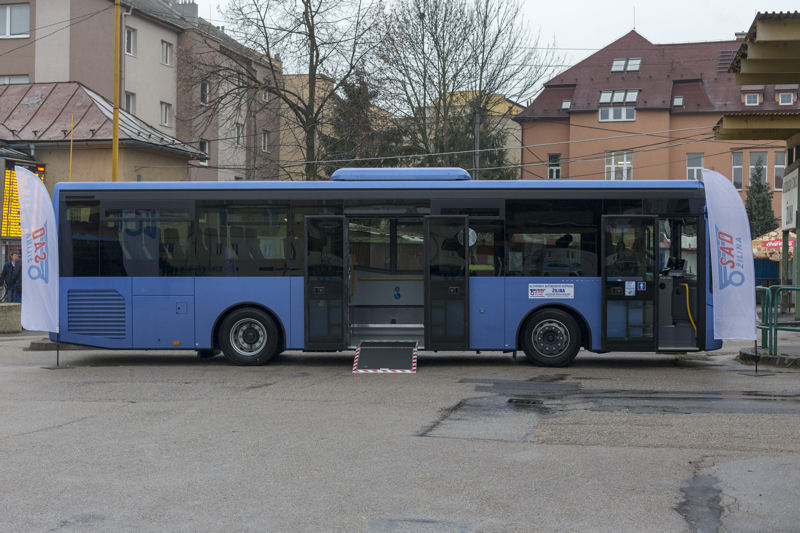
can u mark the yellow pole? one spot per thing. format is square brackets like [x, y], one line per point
[115, 140]
[71, 130]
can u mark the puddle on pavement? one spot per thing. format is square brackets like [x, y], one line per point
[701, 505]
[511, 409]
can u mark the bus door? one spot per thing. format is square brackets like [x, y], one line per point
[326, 283]
[446, 283]
[629, 283]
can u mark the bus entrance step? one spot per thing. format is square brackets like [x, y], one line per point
[386, 357]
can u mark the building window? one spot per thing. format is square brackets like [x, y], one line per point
[751, 99]
[617, 114]
[631, 64]
[203, 146]
[554, 166]
[238, 133]
[758, 160]
[130, 41]
[617, 97]
[677, 101]
[15, 21]
[785, 98]
[265, 96]
[204, 91]
[166, 53]
[264, 141]
[166, 111]
[619, 165]
[130, 103]
[780, 167]
[737, 166]
[694, 166]
[565, 104]
[13, 79]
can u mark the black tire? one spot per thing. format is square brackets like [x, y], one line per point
[249, 336]
[551, 337]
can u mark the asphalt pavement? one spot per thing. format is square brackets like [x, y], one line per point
[166, 441]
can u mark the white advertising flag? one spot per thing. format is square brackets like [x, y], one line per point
[732, 269]
[39, 254]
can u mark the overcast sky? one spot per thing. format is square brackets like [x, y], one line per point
[580, 27]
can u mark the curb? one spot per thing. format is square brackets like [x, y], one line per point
[46, 345]
[749, 357]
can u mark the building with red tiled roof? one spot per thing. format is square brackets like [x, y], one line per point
[638, 110]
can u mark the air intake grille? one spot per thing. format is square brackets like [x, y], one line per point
[724, 61]
[98, 313]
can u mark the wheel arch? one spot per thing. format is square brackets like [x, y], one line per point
[583, 324]
[242, 305]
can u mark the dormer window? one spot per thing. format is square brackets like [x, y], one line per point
[565, 104]
[630, 64]
[785, 98]
[618, 97]
[677, 101]
[751, 99]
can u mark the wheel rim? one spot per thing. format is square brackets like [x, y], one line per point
[550, 338]
[248, 337]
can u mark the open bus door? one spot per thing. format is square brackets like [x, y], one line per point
[326, 283]
[629, 283]
[446, 283]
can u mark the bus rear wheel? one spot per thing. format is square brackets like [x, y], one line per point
[551, 337]
[249, 336]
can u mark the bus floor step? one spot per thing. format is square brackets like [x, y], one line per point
[386, 357]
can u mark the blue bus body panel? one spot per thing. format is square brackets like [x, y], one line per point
[587, 302]
[296, 330]
[96, 311]
[486, 313]
[214, 295]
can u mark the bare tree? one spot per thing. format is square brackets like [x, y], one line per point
[323, 41]
[451, 62]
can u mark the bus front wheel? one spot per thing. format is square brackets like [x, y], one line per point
[551, 337]
[249, 337]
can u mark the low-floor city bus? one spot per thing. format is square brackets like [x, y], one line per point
[252, 268]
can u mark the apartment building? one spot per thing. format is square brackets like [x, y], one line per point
[73, 40]
[638, 110]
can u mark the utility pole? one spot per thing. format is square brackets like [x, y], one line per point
[115, 139]
[476, 149]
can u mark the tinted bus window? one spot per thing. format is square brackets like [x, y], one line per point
[553, 237]
[80, 245]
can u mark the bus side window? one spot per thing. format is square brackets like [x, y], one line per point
[80, 246]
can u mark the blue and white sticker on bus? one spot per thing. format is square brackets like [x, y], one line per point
[550, 291]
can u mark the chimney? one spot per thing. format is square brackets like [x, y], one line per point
[187, 9]
[740, 35]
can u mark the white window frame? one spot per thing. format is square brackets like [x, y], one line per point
[167, 54]
[747, 99]
[764, 164]
[14, 79]
[565, 104]
[634, 64]
[789, 101]
[265, 96]
[554, 166]
[166, 111]
[5, 32]
[203, 146]
[264, 141]
[205, 90]
[616, 161]
[737, 166]
[618, 64]
[626, 114]
[130, 102]
[130, 41]
[693, 172]
[605, 97]
[238, 133]
[677, 101]
[779, 166]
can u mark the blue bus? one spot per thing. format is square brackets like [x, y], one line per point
[252, 268]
